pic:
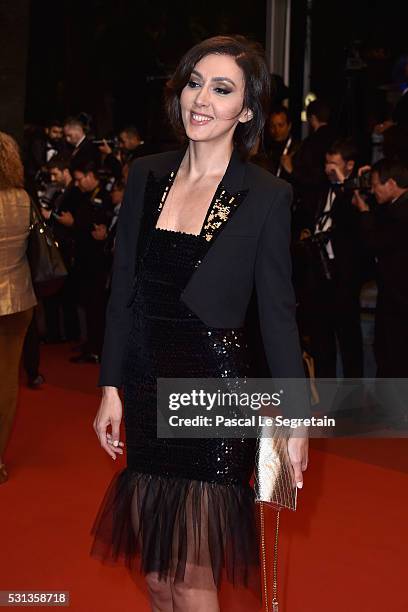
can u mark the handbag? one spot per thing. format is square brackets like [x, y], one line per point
[47, 266]
[273, 485]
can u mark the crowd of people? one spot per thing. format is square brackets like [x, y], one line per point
[79, 184]
[348, 226]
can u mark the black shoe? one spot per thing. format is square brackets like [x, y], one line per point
[85, 358]
[35, 383]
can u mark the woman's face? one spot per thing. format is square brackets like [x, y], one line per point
[212, 101]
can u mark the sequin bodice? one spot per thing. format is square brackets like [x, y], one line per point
[168, 340]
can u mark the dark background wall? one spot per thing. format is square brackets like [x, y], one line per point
[376, 29]
[14, 20]
[111, 57]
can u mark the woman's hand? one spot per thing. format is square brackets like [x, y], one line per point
[298, 448]
[109, 413]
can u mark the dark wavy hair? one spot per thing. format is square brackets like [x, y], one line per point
[250, 58]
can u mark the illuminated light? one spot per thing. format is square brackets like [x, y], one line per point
[310, 97]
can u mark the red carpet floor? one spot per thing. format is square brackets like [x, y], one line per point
[343, 550]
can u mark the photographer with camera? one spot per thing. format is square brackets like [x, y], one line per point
[129, 146]
[384, 232]
[57, 208]
[111, 163]
[92, 214]
[328, 271]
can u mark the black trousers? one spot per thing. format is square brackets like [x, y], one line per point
[93, 297]
[334, 314]
[63, 300]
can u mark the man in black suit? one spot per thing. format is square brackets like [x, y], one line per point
[281, 145]
[83, 150]
[308, 174]
[59, 215]
[329, 289]
[385, 232]
[43, 148]
[92, 213]
[117, 193]
[131, 146]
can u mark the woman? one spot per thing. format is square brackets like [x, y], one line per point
[17, 297]
[203, 227]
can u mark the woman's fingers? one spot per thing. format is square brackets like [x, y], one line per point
[102, 435]
[298, 476]
[110, 440]
[117, 449]
[109, 415]
[298, 455]
[115, 431]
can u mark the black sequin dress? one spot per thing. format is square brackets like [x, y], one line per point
[182, 507]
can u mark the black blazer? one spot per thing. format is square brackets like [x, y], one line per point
[384, 232]
[345, 240]
[246, 248]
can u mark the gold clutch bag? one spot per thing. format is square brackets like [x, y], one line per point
[274, 485]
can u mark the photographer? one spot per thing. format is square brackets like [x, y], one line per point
[384, 231]
[131, 146]
[58, 210]
[92, 215]
[328, 271]
[110, 158]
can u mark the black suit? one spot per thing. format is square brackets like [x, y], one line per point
[247, 233]
[330, 307]
[385, 234]
[85, 153]
[308, 177]
[91, 263]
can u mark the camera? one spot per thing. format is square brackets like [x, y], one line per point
[113, 143]
[362, 183]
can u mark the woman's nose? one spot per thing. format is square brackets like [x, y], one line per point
[202, 97]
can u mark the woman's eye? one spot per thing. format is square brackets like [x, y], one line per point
[222, 91]
[192, 84]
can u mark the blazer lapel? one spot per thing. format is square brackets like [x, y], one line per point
[226, 201]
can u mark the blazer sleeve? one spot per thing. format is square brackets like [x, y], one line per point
[277, 304]
[118, 315]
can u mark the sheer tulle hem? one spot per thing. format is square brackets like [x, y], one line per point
[189, 531]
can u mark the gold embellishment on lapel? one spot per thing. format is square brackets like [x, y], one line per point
[224, 205]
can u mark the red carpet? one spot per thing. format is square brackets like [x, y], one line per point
[343, 550]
